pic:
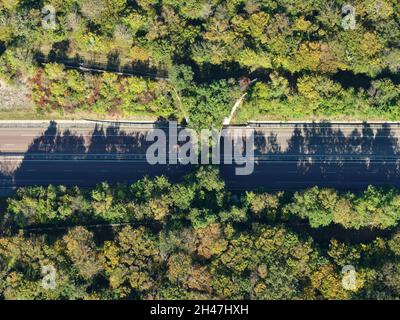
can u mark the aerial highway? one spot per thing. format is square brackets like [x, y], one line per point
[81, 153]
[286, 155]
[347, 156]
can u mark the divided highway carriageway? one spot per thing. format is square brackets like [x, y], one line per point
[287, 155]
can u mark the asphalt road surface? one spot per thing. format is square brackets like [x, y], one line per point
[287, 156]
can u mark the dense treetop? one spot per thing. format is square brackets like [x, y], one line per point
[273, 34]
[307, 60]
[196, 240]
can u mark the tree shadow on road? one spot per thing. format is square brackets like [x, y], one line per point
[323, 155]
[312, 155]
[308, 140]
[68, 157]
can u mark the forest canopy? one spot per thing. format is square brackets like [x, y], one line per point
[193, 60]
[197, 240]
[309, 58]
